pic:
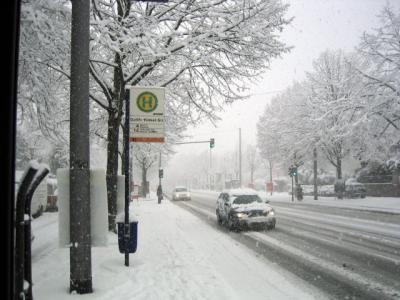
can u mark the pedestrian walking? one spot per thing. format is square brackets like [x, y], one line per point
[159, 194]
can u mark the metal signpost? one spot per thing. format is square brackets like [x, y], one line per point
[127, 178]
[144, 108]
[147, 128]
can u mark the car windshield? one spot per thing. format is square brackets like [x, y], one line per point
[178, 190]
[246, 199]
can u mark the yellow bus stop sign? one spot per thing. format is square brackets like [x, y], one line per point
[147, 102]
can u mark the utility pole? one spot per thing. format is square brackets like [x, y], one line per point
[270, 176]
[210, 175]
[80, 250]
[210, 160]
[315, 174]
[240, 157]
[8, 124]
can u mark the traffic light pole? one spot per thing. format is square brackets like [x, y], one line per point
[211, 142]
[292, 190]
[195, 142]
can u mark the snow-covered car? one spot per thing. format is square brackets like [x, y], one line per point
[180, 193]
[354, 189]
[243, 208]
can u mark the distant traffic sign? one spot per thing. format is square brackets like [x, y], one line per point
[147, 114]
[270, 186]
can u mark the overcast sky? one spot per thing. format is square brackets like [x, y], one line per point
[318, 25]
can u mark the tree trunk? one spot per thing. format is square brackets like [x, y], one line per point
[144, 180]
[114, 123]
[339, 168]
[112, 168]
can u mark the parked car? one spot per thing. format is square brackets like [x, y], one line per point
[180, 193]
[243, 208]
[355, 190]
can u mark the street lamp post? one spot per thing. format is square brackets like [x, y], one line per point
[240, 157]
[80, 250]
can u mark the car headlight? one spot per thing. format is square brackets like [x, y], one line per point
[269, 212]
[241, 215]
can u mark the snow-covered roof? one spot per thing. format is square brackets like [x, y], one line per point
[242, 191]
[180, 187]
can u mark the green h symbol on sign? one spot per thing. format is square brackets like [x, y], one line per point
[147, 102]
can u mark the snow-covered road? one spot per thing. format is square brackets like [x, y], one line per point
[345, 252]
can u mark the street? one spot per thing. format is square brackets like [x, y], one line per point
[347, 253]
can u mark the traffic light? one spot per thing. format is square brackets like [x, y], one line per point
[160, 173]
[292, 171]
[212, 142]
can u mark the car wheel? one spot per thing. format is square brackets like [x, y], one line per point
[271, 226]
[231, 225]
[219, 219]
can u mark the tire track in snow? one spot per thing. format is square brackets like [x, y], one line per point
[326, 273]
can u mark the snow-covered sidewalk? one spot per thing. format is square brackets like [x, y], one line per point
[179, 256]
[380, 204]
